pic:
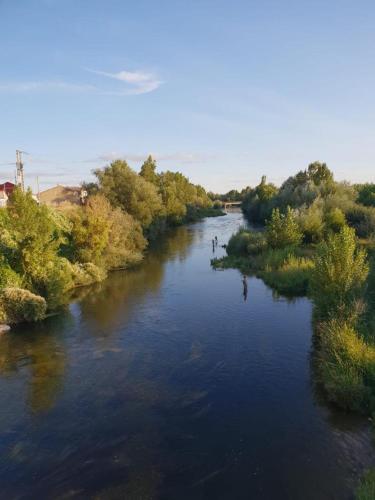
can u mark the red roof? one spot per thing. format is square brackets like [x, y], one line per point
[7, 187]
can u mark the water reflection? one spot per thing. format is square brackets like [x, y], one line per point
[43, 357]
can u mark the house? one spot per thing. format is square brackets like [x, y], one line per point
[5, 190]
[63, 197]
[7, 187]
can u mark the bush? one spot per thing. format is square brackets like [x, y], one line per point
[282, 230]
[18, 305]
[237, 244]
[347, 364]
[291, 277]
[362, 219]
[335, 220]
[310, 221]
[86, 274]
[339, 274]
[9, 278]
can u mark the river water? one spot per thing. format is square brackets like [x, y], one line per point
[165, 383]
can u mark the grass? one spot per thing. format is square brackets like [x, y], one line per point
[285, 270]
[291, 277]
[366, 488]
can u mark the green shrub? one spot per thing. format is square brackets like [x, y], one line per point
[362, 219]
[339, 275]
[282, 230]
[335, 220]
[87, 274]
[310, 221]
[237, 244]
[347, 364]
[366, 488]
[18, 305]
[9, 278]
[291, 277]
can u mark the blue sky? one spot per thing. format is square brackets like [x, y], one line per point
[221, 91]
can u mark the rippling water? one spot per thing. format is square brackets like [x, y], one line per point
[164, 383]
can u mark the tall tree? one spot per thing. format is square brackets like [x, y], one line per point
[129, 191]
[148, 170]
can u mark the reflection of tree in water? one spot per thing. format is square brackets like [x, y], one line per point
[104, 303]
[45, 359]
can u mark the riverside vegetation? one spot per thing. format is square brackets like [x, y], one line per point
[314, 236]
[44, 253]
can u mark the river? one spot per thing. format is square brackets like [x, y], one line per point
[165, 382]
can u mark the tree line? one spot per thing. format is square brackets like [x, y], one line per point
[45, 252]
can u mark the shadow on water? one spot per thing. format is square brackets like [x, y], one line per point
[173, 381]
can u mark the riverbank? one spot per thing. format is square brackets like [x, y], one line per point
[19, 305]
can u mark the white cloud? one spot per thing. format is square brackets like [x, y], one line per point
[137, 82]
[132, 83]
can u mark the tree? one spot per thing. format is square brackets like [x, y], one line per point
[366, 194]
[319, 173]
[90, 230]
[335, 220]
[340, 272]
[282, 230]
[105, 236]
[29, 242]
[148, 170]
[130, 192]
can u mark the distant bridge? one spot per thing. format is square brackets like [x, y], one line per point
[228, 204]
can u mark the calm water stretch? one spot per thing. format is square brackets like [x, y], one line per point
[165, 383]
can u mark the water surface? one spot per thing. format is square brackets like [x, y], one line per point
[165, 383]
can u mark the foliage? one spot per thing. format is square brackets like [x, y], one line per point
[310, 221]
[340, 272]
[291, 277]
[130, 192]
[86, 274]
[8, 277]
[104, 236]
[246, 243]
[257, 203]
[18, 305]
[362, 219]
[29, 240]
[366, 194]
[148, 170]
[319, 173]
[366, 488]
[335, 220]
[282, 229]
[347, 365]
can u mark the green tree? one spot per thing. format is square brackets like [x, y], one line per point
[105, 236]
[340, 272]
[335, 220]
[366, 194]
[148, 170]
[130, 192]
[282, 230]
[29, 242]
[319, 173]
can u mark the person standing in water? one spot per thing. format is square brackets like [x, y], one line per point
[244, 282]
